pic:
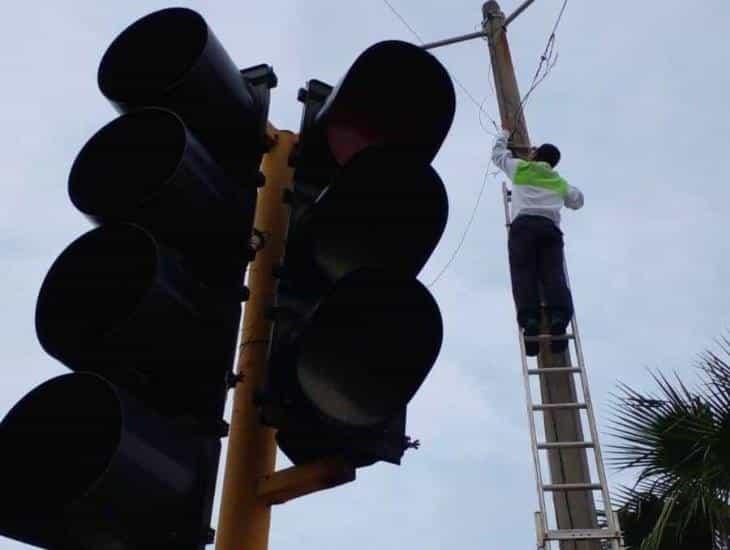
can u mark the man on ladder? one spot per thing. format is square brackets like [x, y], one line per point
[535, 239]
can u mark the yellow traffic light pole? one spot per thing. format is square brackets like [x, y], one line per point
[244, 517]
[251, 486]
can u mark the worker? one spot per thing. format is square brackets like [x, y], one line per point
[535, 239]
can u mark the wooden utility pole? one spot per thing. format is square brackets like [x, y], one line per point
[574, 509]
[244, 517]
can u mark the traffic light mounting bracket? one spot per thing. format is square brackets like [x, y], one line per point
[261, 79]
[297, 481]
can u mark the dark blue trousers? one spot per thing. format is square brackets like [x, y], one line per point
[536, 262]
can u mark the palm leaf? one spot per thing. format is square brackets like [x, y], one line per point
[678, 440]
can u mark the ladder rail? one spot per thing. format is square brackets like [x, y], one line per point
[528, 401]
[533, 434]
[592, 425]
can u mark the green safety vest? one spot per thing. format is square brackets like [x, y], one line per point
[540, 174]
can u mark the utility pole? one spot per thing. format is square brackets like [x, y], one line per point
[573, 509]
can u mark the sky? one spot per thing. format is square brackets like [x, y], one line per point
[636, 103]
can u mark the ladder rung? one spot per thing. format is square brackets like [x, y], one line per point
[565, 445]
[581, 534]
[551, 406]
[553, 370]
[551, 337]
[572, 487]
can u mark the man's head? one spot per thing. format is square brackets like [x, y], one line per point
[547, 152]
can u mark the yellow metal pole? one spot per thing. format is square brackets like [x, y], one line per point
[244, 517]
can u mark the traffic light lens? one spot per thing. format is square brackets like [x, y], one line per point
[96, 282]
[368, 347]
[58, 440]
[127, 163]
[152, 54]
[387, 209]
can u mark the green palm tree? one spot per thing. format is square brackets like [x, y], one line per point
[679, 441]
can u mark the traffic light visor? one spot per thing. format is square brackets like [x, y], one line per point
[152, 55]
[146, 168]
[84, 461]
[127, 163]
[368, 346]
[387, 209]
[95, 284]
[173, 60]
[74, 419]
[395, 93]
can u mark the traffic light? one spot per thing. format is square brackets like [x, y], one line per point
[144, 309]
[355, 333]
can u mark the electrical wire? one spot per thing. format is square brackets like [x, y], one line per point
[465, 232]
[481, 111]
[481, 122]
[548, 60]
[463, 88]
[402, 19]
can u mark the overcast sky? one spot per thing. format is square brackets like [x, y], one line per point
[636, 102]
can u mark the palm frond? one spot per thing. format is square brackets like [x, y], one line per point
[678, 440]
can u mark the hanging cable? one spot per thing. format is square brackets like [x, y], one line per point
[548, 60]
[466, 230]
[402, 19]
[463, 88]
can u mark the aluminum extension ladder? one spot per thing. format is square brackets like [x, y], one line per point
[609, 536]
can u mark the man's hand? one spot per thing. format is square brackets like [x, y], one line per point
[507, 131]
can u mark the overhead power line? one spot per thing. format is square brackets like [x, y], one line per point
[403, 20]
[548, 59]
[465, 232]
[463, 88]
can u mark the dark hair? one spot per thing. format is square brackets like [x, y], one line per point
[547, 152]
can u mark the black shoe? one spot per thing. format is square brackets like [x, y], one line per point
[557, 328]
[531, 328]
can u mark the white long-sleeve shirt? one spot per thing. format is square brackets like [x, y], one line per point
[537, 189]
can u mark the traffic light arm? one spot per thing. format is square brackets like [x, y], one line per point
[297, 481]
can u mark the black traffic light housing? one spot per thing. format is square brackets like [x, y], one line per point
[86, 465]
[144, 309]
[355, 332]
[158, 175]
[172, 59]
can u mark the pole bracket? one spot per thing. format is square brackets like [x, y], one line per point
[298, 481]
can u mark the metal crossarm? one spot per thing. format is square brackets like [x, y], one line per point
[610, 536]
